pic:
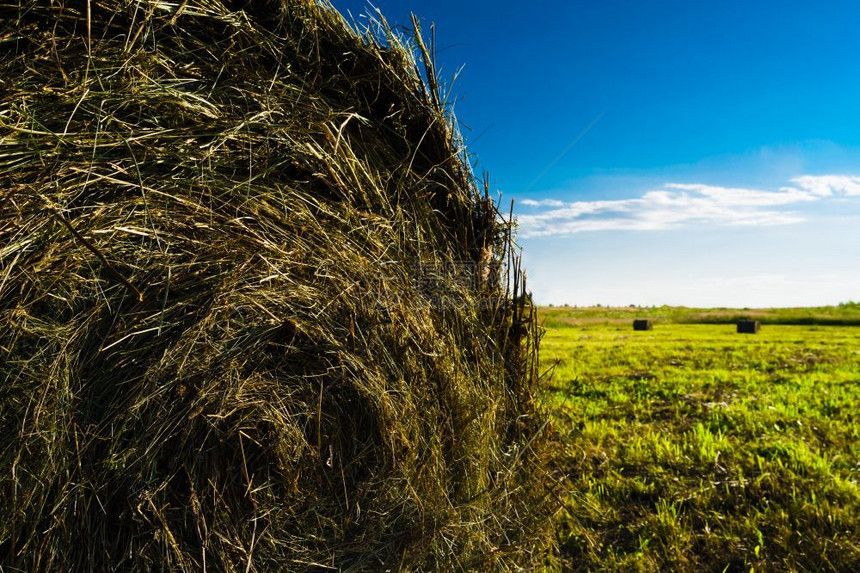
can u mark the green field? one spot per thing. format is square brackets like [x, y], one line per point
[693, 447]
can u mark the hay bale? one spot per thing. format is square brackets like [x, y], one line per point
[643, 324]
[213, 354]
[748, 326]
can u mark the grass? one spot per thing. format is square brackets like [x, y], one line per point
[230, 338]
[693, 447]
[845, 314]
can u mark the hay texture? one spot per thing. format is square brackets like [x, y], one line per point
[220, 348]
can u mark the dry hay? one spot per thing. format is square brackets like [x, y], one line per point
[749, 326]
[214, 350]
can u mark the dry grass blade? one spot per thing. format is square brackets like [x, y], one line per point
[306, 385]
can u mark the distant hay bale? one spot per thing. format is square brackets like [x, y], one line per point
[218, 350]
[643, 324]
[748, 326]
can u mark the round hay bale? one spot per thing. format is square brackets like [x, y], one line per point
[239, 326]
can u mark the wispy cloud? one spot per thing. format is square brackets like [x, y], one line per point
[542, 203]
[827, 185]
[676, 205]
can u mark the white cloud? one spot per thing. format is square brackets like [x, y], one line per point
[746, 197]
[676, 205]
[827, 185]
[542, 203]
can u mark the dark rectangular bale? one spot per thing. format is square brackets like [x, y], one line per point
[642, 324]
[748, 326]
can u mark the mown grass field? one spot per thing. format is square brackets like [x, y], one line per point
[691, 447]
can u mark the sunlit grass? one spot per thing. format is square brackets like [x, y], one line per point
[692, 446]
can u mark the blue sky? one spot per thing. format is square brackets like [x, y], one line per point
[671, 152]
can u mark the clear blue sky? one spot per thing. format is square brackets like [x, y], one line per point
[722, 162]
